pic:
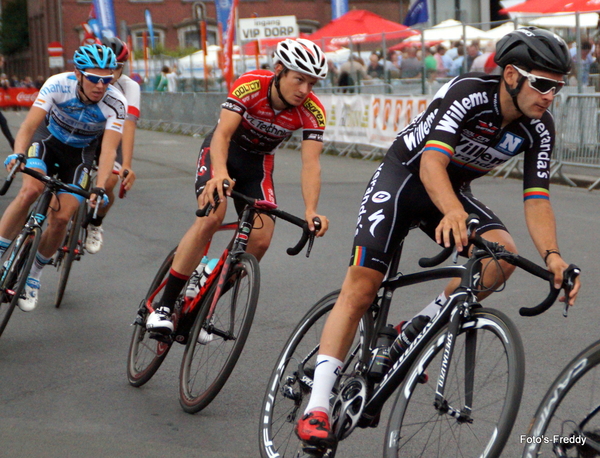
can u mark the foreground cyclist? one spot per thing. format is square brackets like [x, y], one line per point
[474, 123]
[261, 111]
[71, 112]
[131, 90]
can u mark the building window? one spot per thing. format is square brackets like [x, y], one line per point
[137, 37]
[189, 36]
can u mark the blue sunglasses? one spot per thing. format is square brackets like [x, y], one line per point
[95, 79]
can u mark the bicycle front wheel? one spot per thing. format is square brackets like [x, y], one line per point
[215, 344]
[68, 253]
[16, 264]
[567, 421]
[484, 384]
[290, 383]
[145, 353]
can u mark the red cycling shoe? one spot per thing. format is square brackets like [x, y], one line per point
[313, 429]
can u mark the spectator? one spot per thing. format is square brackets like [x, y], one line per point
[39, 82]
[161, 82]
[375, 69]
[430, 64]
[172, 79]
[472, 53]
[352, 72]
[15, 81]
[453, 51]
[411, 66]
[444, 62]
[457, 64]
[485, 61]
[27, 82]
[584, 60]
[332, 74]
[391, 65]
[4, 82]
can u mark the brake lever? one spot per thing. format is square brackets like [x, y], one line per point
[571, 273]
[311, 237]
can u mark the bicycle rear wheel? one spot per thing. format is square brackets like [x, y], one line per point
[207, 365]
[567, 421]
[290, 383]
[68, 252]
[18, 259]
[146, 354]
[485, 376]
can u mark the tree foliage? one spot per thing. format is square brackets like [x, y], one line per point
[14, 32]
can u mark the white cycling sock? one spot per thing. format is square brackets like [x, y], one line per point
[38, 265]
[434, 307]
[326, 372]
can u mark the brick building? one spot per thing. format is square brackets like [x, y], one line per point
[176, 21]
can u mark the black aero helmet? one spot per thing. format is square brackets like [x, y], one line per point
[534, 49]
[118, 46]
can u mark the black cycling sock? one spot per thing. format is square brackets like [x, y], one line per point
[175, 284]
[97, 221]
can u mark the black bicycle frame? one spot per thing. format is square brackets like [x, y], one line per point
[451, 312]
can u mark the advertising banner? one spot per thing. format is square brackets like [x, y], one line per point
[105, 15]
[17, 96]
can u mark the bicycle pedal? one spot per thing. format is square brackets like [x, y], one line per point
[164, 338]
[311, 451]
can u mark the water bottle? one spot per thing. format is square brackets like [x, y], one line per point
[193, 288]
[208, 268]
[406, 337]
[380, 362]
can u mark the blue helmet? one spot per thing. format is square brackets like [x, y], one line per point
[94, 56]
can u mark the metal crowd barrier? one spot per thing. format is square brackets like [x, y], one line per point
[576, 155]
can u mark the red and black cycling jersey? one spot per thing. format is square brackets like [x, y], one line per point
[464, 122]
[262, 128]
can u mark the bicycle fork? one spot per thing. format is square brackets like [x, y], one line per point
[463, 414]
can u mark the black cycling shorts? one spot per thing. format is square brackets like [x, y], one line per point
[252, 172]
[395, 200]
[71, 165]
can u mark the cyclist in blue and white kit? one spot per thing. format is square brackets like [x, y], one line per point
[474, 123]
[131, 90]
[71, 112]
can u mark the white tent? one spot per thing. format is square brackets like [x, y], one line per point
[451, 30]
[498, 32]
[562, 20]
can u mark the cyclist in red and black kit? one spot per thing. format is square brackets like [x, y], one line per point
[474, 123]
[262, 109]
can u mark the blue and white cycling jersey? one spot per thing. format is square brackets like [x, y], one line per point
[74, 122]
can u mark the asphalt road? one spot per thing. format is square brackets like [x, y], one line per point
[63, 388]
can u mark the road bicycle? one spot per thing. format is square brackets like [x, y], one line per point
[73, 246]
[567, 421]
[18, 258]
[461, 379]
[215, 324]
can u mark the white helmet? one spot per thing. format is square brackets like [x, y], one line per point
[301, 56]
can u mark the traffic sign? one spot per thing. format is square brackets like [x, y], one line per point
[55, 49]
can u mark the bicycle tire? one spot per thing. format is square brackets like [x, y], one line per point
[22, 251]
[572, 399]
[416, 428]
[65, 259]
[289, 385]
[205, 367]
[146, 354]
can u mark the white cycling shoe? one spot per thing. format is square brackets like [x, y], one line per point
[29, 298]
[94, 239]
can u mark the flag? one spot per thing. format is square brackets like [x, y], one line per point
[224, 8]
[105, 14]
[150, 27]
[338, 8]
[228, 64]
[417, 13]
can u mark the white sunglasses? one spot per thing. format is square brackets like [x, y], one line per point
[540, 83]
